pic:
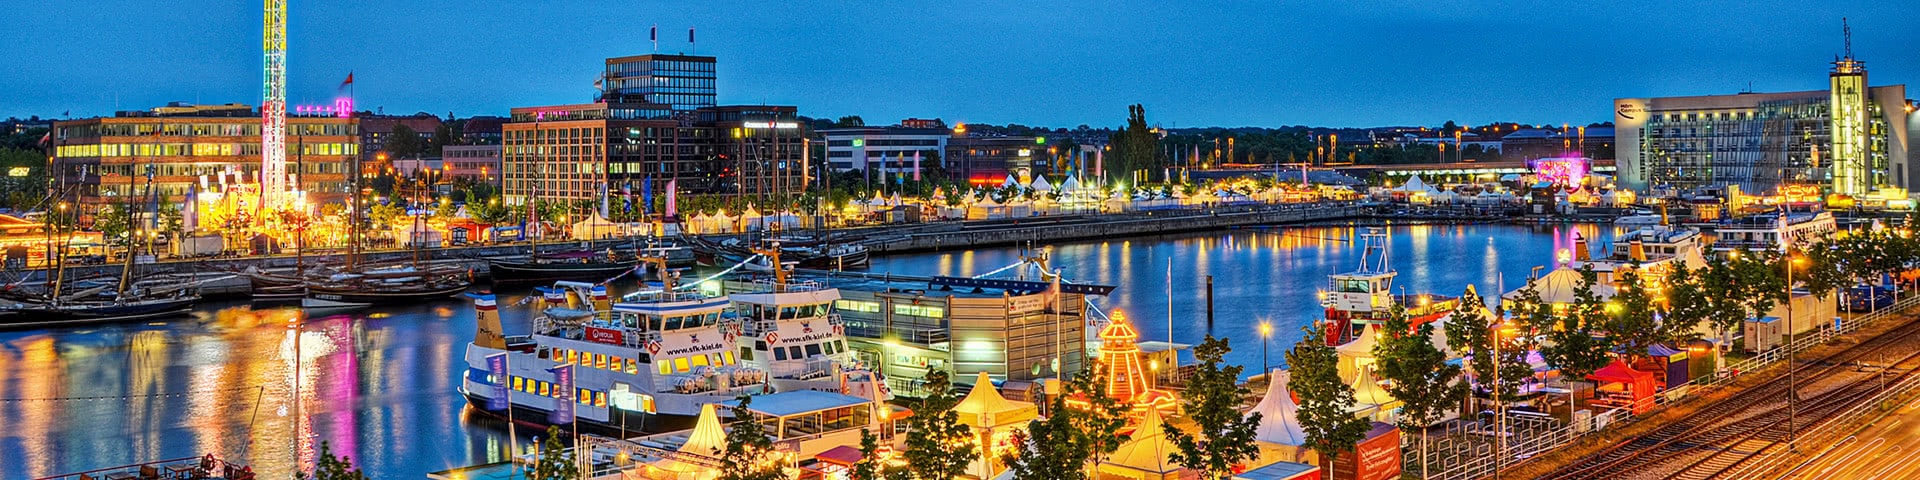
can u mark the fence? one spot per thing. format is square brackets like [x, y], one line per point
[1469, 459]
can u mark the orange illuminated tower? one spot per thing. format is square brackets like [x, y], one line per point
[1127, 379]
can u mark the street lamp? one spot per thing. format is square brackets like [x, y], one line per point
[1266, 331]
[1793, 388]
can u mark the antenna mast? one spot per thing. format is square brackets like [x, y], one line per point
[1847, 31]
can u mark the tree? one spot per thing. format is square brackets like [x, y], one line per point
[1135, 147]
[1632, 324]
[1472, 332]
[938, 445]
[329, 467]
[1572, 346]
[384, 215]
[1061, 446]
[114, 221]
[171, 220]
[749, 454]
[1224, 437]
[443, 136]
[1323, 415]
[1419, 375]
[850, 121]
[1721, 291]
[869, 467]
[1686, 303]
[404, 142]
[555, 462]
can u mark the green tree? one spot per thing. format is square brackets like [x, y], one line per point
[1473, 333]
[1573, 346]
[385, 215]
[443, 136]
[1686, 303]
[869, 466]
[555, 461]
[938, 445]
[749, 454]
[114, 220]
[850, 121]
[1223, 436]
[329, 467]
[1061, 446]
[1418, 375]
[1136, 147]
[1633, 324]
[1324, 399]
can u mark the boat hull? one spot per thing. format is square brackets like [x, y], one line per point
[622, 423]
[329, 297]
[29, 316]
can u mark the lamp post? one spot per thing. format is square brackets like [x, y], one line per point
[1793, 387]
[1266, 331]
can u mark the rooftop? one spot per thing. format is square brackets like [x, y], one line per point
[796, 402]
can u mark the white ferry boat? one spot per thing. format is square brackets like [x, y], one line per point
[789, 330]
[645, 364]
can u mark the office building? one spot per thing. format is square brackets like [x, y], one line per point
[106, 159]
[683, 82]
[1850, 138]
[479, 163]
[377, 130]
[885, 152]
[759, 149]
[986, 161]
[570, 152]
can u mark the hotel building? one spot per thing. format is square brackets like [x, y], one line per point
[109, 158]
[1850, 139]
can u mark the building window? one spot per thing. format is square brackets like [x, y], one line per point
[919, 311]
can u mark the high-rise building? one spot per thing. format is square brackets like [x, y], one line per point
[104, 160]
[683, 82]
[1850, 139]
[571, 152]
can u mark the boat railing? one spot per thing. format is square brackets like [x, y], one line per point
[661, 296]
[814, 367]
[208, 467]
[768, 285]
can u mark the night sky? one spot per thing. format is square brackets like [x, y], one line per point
[1248, 63]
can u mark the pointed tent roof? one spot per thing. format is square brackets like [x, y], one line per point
[1040, 184]
[1071, 185]
[984, 404]
[1010, 183]
[1560, 286]
[1279, 417]
[1360, 347]
[1415, 184]
[708, 436]
[1367, 390]
[1149, 449]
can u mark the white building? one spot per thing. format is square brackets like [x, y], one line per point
[885, 150]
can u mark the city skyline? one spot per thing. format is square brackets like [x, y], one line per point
[1077, 67]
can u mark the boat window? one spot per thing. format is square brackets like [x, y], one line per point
[519, 383]
[789, 313]
[827, 347]
[842, 343]
[653, 323]
[793, 352]
[600, 361]
[728, 356]
[673, 323]
[573, 356]
[600, 399]
[813, 349]
[665, 367]
[1354, 286]
[544, 389]
[613, 363]
[700, 361]
[713, 318]
[779, 354]
[680, 365]
[633, 367]
[746, 354]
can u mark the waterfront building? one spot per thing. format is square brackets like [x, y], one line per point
[377, 130]
[684, 83]
[986, 161]
[474, 162]
[1851, 139]
[481, 130]
[885, 152]
[759, 149]
[572, 152]
[905, 326]
[108, 159]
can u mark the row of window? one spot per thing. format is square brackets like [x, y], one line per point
[248, 129]
[196, 149]
[550, 390]
[594, 360]
[688, 363]
[861, 306]
[661, 66]
[798, 352]
[919, 311]
[209, 169]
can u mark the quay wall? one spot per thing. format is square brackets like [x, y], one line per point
[1137, 225]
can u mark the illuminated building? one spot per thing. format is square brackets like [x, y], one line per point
[1127, 375]
[570, 152]
[985, 161]
[885, 152]
[759, 149]
[1851, 138]
[273, 104]
[907, 325]
[107, 158]
[682, 82]
[475, 162]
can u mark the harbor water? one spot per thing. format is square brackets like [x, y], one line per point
[378, 386]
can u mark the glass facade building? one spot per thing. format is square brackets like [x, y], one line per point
[682, 82]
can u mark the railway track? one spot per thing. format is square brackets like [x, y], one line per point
[1717, 438]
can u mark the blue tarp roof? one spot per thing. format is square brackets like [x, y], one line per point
[797, 402]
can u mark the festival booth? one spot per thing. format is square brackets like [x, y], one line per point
[1376, 457]
[1372, 400]
[595, 227]
[1415, 191]
[1357, 355]
[1144, 456]
[1279, 433]
[1560, 288]
[1127, 378]
[986, 209]
[419, 233]
[1620, 386]
[995, 420]
[1668, 366]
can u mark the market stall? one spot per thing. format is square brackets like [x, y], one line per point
[1620, 386]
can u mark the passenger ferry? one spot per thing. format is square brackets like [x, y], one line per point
[1364, 296]
[1773, 231]
[788, 329]
[644, 364]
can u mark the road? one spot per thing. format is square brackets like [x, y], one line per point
[1889, 448]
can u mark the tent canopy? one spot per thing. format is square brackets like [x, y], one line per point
[1619, 372]
[1416, 185]
[983, 407]
[1040, 184]
[1367, 390]
[1279, 417]
[1149, 449]
[1561, 286]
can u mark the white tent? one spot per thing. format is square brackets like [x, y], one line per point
[1011, 182]
[1040, 184]
[596, 227]
[984, 407]
[1415, 184]
[707, 440]
[1560, 287]
[1368, 394]
[1146, 455]
[1357, 354]
[1279, 417]
[1072, 185]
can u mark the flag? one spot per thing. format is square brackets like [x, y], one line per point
[653, 34]
[497, 366]
[646, 196]
[626, 196]
[46, 137]
[604, 194]
[190, 216]
[916, 165]
[689, 34]
[597, 82]
[672, 186]
[563, 400]
[348, 82]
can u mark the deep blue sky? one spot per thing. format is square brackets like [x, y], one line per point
[1260, 63]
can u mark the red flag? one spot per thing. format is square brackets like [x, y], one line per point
[46, 137]
[349, 80]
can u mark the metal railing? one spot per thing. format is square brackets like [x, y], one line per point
[1479, 461]
[1834, 432]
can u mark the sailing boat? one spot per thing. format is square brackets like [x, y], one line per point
[585, 265]
[354, 287]
[130, 301]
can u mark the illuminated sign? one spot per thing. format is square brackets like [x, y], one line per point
[859, 142]
[1040, 140]
[778, 125]
[19, 171]
[1565, 171]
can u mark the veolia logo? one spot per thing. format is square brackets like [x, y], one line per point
[1629, 111]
